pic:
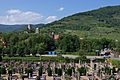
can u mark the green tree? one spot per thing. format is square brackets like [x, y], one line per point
[13, 39]
[105, 43]
[6, 50]
[40, 48]
[69, 43]
[20, 51]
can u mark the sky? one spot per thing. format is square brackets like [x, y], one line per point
[46, 11]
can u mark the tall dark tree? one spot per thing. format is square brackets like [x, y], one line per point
[49, 71]
[69, 43]
[40, 71]
[82, 71]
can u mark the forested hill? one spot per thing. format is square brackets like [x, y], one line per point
[102, 17]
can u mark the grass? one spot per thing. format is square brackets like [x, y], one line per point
[54, 59]
[78, 53]
[116, 63]
[46, 58]
[22, 58]
[37, 59]
[34, 59]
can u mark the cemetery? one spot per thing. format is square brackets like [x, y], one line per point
[62, 69]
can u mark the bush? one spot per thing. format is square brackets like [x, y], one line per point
[40, 71]
[69, 71]
[82, 71]
[107, 70]
[49, 71]
[10, 71]
[67, 60]
[83, 59]
[2, 70]
[30, 71]
[73, 69]
[99, 60]
[0, 58]
[59, 72]
[56, 69]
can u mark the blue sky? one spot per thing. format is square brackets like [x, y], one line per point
[45, 11]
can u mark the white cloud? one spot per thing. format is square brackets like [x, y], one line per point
[20, 17]
[50, 19]
[15, 16]
[13, 11]
[61, 9]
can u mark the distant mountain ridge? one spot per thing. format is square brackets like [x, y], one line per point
[14, 28]
[11, 28]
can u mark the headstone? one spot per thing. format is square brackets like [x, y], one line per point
[63, 75]
[29, 75]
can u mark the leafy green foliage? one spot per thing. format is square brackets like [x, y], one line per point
[69, 71]
[49, 71]
[23, 43]
[82, 71]
[30, 71]
[107, 70]
[69, 43]
[0, 58]
[2, 70]
[40, 71]
[59, 72]
[116, 63]
[41, 43]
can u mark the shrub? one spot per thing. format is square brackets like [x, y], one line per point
[59, 72]
[30, 71]
[40, 71]
[0, 58]
[10, 71]
[69, 71]
[2, 70]
[82, 71]
[49, 71]
[56, 69]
